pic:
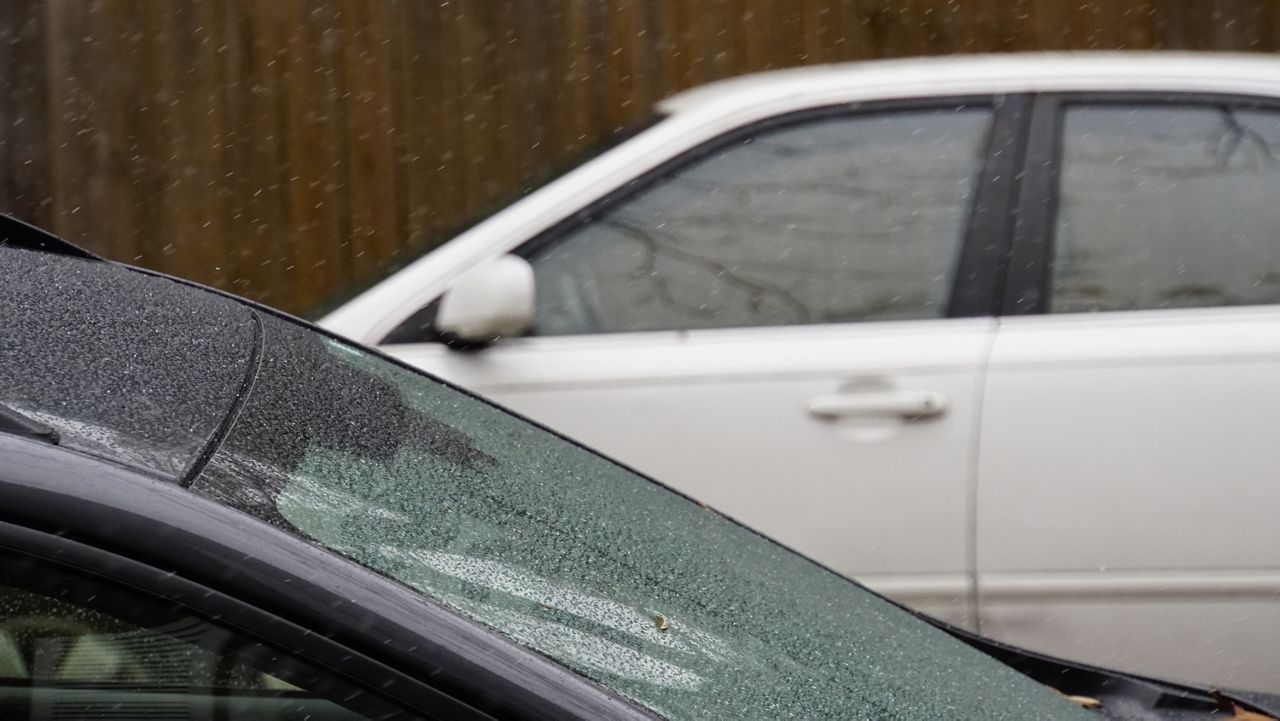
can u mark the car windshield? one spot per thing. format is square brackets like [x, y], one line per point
[647, 592]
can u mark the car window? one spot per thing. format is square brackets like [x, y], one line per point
[850, 218]
[1168, 206]
[74, 648]
[650, 594]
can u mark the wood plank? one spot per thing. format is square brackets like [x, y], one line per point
[313, 151]
[25, 186]
[374, 236]
[191, 213]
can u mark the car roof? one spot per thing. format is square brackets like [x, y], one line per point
[1014, 72]
[699, 115]
[124, 365]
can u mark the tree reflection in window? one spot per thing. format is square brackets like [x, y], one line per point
[842, 219]
[1167, 206]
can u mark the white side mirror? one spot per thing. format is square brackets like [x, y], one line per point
[490, 301]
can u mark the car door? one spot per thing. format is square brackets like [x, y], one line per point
[771, 326]
[1128, 469]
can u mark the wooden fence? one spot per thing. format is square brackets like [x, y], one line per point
[292, 150]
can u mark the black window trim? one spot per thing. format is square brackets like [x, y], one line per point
[149, 584]
[979, 266]
[984, 256]
[104, 520]
[100, 566]
[1028, 286]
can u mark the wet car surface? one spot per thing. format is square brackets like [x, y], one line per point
[270, 483]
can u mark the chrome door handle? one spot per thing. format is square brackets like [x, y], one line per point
[908, 404]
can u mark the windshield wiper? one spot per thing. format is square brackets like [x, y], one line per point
[1153, 698]
[16, 424]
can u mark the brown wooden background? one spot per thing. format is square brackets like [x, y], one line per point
[293, 150]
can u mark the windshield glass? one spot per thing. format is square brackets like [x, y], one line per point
[648, 593]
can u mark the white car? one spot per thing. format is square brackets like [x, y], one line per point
[996, 336]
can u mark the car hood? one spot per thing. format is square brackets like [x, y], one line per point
[1122, 696]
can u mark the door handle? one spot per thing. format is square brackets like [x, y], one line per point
[908, 404]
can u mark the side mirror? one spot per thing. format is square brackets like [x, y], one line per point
[490, 301]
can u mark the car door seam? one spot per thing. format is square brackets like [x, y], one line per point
[973, 477]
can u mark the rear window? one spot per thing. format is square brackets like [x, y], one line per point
[648, 593]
